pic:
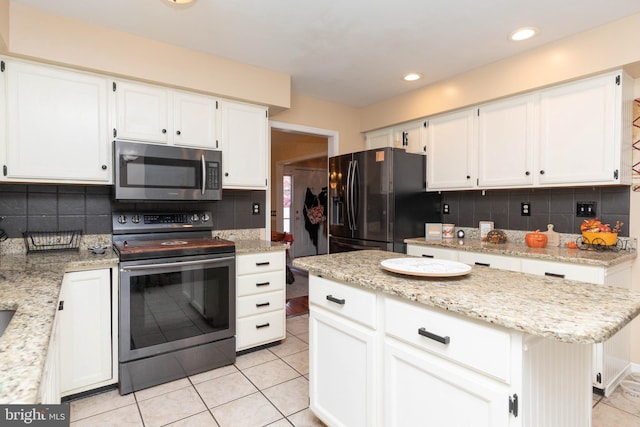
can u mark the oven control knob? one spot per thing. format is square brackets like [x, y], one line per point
[205, 217]
[122, 219]
[135, 219]
[195, 218]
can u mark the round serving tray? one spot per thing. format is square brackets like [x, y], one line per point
[425, 267]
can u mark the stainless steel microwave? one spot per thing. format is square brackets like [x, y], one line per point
[160, 172]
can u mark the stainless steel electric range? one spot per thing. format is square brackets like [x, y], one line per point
[177, 297]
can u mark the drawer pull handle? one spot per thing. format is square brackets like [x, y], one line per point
[546, 273]
[264, 325]
[263, 284]
[336, 300]
[263, 304]
[483, 264]
[260, 264]
[427, 256]
[425, 333]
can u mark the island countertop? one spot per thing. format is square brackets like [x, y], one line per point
[30, 284]
[565, 310]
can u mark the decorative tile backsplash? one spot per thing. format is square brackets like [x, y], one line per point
[88, 208]
[555, 206]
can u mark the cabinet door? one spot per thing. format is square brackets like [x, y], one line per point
[57, 125]
[243, 140]
[451, 140]
[380, 138]
[142, 112]
[505, 143]
[577, 132]
[422, 390]
[194, 119]
[341, 371]
[85, 330]
[413, 136]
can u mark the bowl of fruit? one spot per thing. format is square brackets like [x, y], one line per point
[597, 233]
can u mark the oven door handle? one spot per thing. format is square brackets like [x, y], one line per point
[204, 174]
[176, 264]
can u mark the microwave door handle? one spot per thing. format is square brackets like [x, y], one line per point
[204, 174]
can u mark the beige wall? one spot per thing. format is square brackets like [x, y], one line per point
[607, 47]
[73, 43]
[316, 113]
[4, 25]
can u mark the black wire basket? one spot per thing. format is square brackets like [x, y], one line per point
[46, 241]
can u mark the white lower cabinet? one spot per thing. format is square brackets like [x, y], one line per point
[379, 360]
[423, 390]
[612, 358]
[49, 392]
[260, 299]
[87, 315]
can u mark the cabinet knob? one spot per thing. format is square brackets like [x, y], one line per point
[468, 176]
[104, 167]
[541, 172]
[226, 174]
[177, 132]
[527, 173]
[164, 131]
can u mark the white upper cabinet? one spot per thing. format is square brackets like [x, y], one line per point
[243, 139]
[160, 115]
[57, 125]
[569, 135]
[379, 138]
[412, 136]
[451, 145]
[506, 132]
[581, 132]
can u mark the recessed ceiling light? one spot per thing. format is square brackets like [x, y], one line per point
[412, 77]
[523, 34]
[180, 1]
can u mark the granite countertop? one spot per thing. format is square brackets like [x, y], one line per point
[30, 284]
[604, 258]
[256, 245]
[565, 310]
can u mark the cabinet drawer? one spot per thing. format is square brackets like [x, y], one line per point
[430, 252]
[256, 263]
[259, 283]
[468, 343]
[348, 301]
[261, 329]
[251, 305]
[487, 260]
[581, 273]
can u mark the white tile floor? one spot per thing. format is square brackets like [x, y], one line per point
[268, 387]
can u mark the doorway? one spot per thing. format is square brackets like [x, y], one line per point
[305, 152]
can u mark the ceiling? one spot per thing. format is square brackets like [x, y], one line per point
[352, 52]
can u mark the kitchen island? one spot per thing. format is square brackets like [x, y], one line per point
[486, 341]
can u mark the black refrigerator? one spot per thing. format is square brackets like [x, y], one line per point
[377, 199]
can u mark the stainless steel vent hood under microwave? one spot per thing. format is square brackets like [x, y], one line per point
[159, 172]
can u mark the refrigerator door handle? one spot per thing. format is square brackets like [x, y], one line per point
[348, 194]
[355, 194]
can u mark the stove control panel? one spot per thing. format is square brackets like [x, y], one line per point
[140, 222]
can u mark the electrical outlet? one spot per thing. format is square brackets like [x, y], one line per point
[445, 208]
[256, 208]
[525, 209]
[586, 209]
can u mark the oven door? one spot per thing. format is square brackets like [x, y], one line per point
[176, 303]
